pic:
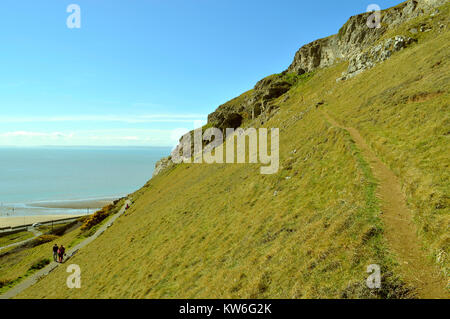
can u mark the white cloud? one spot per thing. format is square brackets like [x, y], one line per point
[99, 137]
[35, 135]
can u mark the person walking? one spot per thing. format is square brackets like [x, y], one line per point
[55, 252]
[61, 252]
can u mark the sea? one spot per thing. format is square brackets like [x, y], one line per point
[60, 174]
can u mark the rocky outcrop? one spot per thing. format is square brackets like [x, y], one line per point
[224, 118]
[161, 165]
[379, 53]
[250, 106]
[355, 38]
[229, 114]
[265, 91]
[318, 54]
[355, 42]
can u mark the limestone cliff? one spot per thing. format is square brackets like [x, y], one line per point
[361, 46]
[355, 36]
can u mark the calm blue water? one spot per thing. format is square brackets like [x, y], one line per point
[52, 174]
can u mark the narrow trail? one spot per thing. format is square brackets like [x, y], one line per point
[30, 281]
[36, 233]
[400, 230]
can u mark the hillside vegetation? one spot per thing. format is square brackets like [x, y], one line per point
[311, 230]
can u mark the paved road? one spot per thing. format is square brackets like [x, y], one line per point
[28, 282]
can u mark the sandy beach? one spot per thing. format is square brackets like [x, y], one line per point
[47, 211]
[74, 204]
[24, 220]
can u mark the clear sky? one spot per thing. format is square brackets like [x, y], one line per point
[140, 72]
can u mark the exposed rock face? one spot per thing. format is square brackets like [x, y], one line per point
[229, 113]
[270, 88]
[265, 91]
[232, 114]
[355, 42]
[317, 54]
[161, 165]
[234, 120]
[376, 54]
[226, 118]
[355, 37]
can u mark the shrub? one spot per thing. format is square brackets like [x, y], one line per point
[61, 230]
[97, 217]
[40, 264]
[40, 240]
[4, 282]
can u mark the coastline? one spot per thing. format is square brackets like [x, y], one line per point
[24, 220]
[73, 204]
[38, 212]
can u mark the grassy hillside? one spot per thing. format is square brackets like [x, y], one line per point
[10, 239]
[310, 231]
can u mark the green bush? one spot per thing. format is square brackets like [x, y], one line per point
[61, 230]
[40, 264]
[40, 240]
[98, 217]
[4, 282]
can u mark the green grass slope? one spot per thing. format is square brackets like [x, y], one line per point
[310, 231]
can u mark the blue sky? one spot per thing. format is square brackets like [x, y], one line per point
[141, 72]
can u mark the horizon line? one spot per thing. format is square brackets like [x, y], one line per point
[87, 146]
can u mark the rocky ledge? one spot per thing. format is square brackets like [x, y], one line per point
[355, 38]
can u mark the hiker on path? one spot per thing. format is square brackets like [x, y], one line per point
[61, 252]
[55, 252]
